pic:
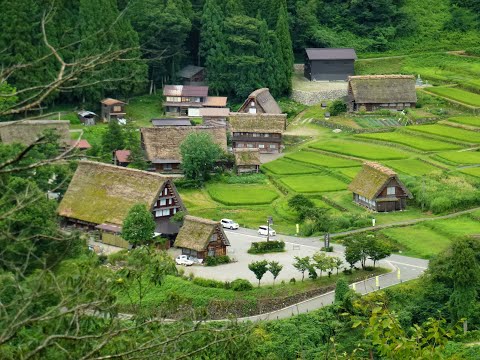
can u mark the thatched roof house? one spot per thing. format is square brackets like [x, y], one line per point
[28, 131]
[201, 238]
[103, 194]
[162, 144]
[260, 102]
[373, 92]
[247, 160]
[379, 188]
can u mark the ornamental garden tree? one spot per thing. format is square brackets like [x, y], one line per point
[259, 268]
[139, 226]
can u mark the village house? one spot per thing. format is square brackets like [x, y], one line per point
[260, 102]
[212, 116]
[184, 100]
[376, 92]
[329, 64]
[378, 188]
[201, 238]
[192, 75]
[162, 144]
[112, 109]
[87, 118]
[82, 144]
[257, 131]
[28, 131]
[121, 158]
[101, 195]
[171, 122]
[247, 160]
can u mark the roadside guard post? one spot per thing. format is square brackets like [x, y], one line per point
[399, 277]
[373, 222]
[298, 229]
[377, 282]
[353, 287]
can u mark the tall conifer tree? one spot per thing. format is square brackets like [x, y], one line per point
[285, 44]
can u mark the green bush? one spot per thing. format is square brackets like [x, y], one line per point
[217, 260]
[187, 184]
[245, 179]
[266, 247]
[473, 51]
[208, 283]
[118, 256]
[241, 285]
[337, 107]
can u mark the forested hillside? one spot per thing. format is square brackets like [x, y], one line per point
[243, 45]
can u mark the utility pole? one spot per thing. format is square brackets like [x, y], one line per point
[269, 221]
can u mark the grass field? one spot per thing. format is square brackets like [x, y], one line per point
[287, 167]
[457, 94]
[449, 132]
[241, 194]
[416, 142]
[313, 183]
[316, 158]
[360, 149]
[142, 109]
[459, 226]
[350, 172]
[472, 171]
[418, 240]
[376, 122]
[466, 120]
[413, 167]
[464, 157]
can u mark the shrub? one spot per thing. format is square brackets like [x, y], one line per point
[327, 249]
[337, 107]
[266, 247]
[217, 260]
[187, 184]
[208, 283]
[241, 285]
[292, 281]
[118, 256]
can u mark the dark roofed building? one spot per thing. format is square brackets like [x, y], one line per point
[102, 194]
[247, 160]
[162, 144]
[260, 102]
[201, 238]
[261, 131]
[28, 131]
[329, 64]
[184, 100]
[378, 188]
[374, 92]
[192, 75]
[171, 122]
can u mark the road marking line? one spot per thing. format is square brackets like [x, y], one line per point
[415, 266]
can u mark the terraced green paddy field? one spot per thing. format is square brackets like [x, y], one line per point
[413, 167]
[472, 171]
[289, 167]
[448, 132]
[313, 183]
[320, 159]
[466, 120]
[456, 94]
[416, 142]
[461, 158]
[361, 150]
[375, 122]
[242, 194]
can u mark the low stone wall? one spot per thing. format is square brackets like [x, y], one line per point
[316, 97]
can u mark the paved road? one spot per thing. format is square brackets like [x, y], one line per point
[403, 269]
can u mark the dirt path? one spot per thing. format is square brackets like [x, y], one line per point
[403, 223]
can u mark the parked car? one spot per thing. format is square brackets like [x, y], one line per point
[183, 260]
[229, 224]
[263, 230]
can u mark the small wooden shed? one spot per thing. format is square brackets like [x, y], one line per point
[247, 160]
[378, 188]
[112, 109]
[201, 238]
[329, 64]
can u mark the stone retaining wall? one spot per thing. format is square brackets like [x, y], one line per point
[316, 97]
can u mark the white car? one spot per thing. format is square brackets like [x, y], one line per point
[263, 230]
[229, 224]
[183, 260]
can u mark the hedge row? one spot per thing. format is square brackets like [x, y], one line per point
[266, 247]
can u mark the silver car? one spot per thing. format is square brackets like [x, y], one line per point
[229, 224]
[263, 230]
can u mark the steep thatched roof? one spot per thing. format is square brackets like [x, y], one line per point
[262, 123]
[247, 157]
[371, 180]
[163, 143]
[383, 89]
[101, 193]
[28, 131]
[196, 232]
[264, 100]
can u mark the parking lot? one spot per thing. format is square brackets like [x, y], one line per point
[240, 243]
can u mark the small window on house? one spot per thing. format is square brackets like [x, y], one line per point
[163, 202]
[117, 108]
[167, 167]
[391, 190]
[252, 110]
[165, 192]
[250, 145]
[267, 135]
[261, 146]
[272, 146]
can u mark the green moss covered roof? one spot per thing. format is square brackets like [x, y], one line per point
[262, 123]
[101, 193]
[378, 89]
[28, 131]
[247, 157]
[196, 232]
